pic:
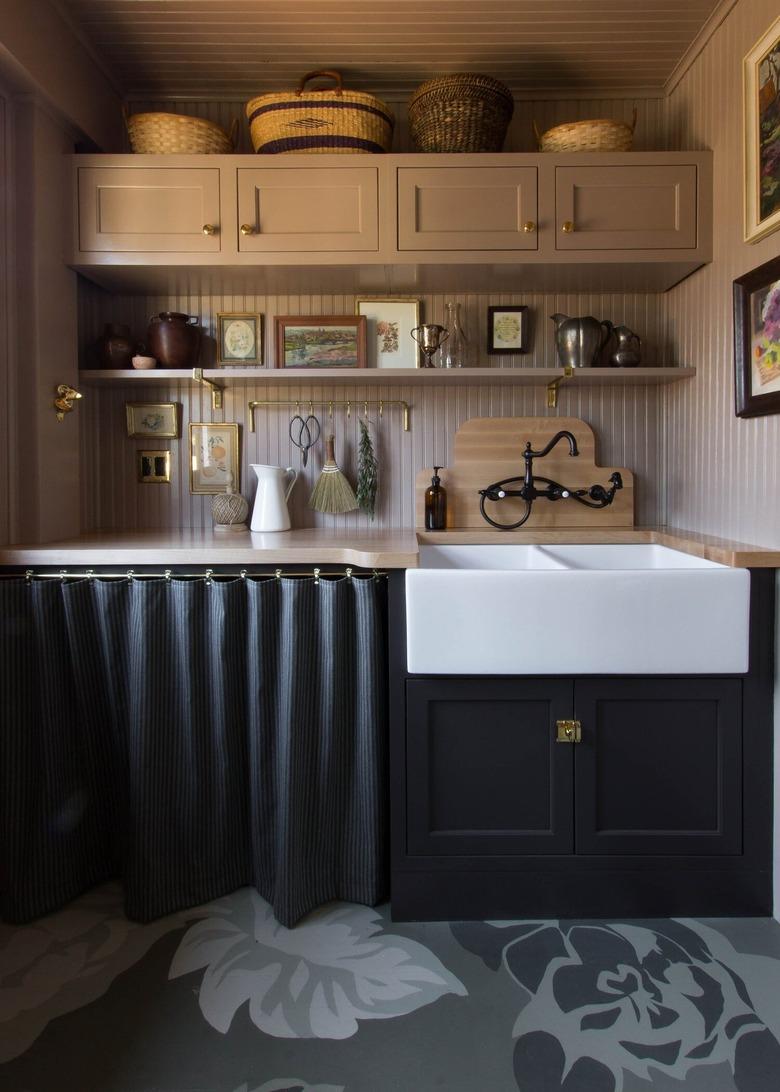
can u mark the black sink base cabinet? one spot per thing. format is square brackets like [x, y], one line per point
[664, 808]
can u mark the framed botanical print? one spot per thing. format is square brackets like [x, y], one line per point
[153, 419]
[239, 339]
[507, 329]
[757, 340]
[389, 324]
[213, 458]
[762, 135]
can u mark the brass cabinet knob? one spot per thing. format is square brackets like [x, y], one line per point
[568, 227]
[209, 229]
[247, 229]
[529, 226]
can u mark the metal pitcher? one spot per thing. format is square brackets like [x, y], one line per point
[580, 340]
[628, 348]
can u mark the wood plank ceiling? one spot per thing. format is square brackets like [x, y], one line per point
[235, 48]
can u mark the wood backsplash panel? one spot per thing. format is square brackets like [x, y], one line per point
[489, 449]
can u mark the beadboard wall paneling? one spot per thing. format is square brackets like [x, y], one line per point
[625, 419]
[650, 135]
[722, 471]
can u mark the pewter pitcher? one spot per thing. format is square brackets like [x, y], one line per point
[580, 340]
[628, 348]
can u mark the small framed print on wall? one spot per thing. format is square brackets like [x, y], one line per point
[320, 341]
[762, 135]
[239, 339]
[153, 419]
[507, 329]
[213, 458]
[389, 324]
[757, 340]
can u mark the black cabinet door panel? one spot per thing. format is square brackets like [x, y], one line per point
[659, 767]
[484, 774]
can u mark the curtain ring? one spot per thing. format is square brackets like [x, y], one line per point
[28, 575]
[63, 575]
[349, 573]
[167, 575]
[278, 574]
[208, 575]
[316, 576]
[130, 574]
[89, 574]
[242, 574]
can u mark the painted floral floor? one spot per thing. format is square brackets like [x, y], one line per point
[222, 999]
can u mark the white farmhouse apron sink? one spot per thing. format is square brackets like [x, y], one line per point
[585, 609]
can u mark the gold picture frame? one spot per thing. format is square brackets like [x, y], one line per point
[389, 322]
[159, 419]
[761, 102]
[213, 458]
[239, 339]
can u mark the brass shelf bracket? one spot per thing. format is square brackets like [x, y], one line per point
[63, 403]
[216, 390]
[552, 388]
[349, 404]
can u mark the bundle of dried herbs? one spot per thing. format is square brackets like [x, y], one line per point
[367, 473]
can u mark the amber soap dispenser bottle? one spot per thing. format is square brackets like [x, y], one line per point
[435, 504]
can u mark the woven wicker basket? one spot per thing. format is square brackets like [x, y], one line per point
[599, 135]
[461, 113]
[326, 120]
[178, 134]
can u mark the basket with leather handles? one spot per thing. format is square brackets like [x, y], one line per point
[178, 134]
[322, 120]
[596, 135]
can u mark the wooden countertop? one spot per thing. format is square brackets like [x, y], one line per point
[370, 549]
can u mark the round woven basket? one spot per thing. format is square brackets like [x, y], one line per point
[178, 134]
[465, 112]
[598, 135]
[324, 120]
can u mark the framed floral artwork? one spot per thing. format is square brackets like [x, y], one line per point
[153, 419]
[320, 341]
[239, 339]
[507, 329]
[757, 340]
[762, 135]
[213, 458]
[389, 324]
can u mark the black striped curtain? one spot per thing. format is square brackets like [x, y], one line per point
[192, 737]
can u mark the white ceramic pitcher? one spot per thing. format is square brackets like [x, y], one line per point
[270, 508]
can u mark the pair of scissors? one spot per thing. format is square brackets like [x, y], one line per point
[304, 433]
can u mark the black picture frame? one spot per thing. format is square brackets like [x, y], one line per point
[520, 344]
[753, 340]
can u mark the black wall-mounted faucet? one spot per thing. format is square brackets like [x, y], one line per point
[594, 497]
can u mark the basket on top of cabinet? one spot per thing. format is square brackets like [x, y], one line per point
[158, 133]
[323, 120]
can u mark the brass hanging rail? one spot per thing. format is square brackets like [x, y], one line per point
[168, 574]
[329, 403]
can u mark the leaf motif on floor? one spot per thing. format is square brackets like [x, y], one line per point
[317, 980]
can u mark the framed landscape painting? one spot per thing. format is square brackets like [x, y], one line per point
[762, 135]
[320, 341]
[757, 340]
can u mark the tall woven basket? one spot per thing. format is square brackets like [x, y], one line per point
[178, 134]
[461, 113]
[325, 120]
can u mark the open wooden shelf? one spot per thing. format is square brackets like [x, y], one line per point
[412, 377]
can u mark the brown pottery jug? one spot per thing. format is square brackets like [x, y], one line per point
[115, 348]
[174, 339]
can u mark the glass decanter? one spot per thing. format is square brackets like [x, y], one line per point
[455, 352]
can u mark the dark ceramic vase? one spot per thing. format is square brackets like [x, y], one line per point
[115, 348]
[174, 340]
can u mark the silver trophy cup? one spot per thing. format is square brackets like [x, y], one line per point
[430, 337]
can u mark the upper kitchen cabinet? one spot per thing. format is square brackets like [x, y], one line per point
[442, 209]
[307, 209]
[613, 222]
[157, 210]
[626, 208]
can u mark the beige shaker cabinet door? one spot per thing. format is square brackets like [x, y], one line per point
[467, 208]
[152, 209]
[286, 210]
[626, 207]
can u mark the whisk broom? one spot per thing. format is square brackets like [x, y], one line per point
[332, 493]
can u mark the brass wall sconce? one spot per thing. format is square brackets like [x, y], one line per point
[63, 403]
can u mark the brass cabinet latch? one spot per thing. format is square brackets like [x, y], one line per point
[568, 731]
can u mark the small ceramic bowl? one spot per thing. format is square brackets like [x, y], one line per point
[143, 362]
